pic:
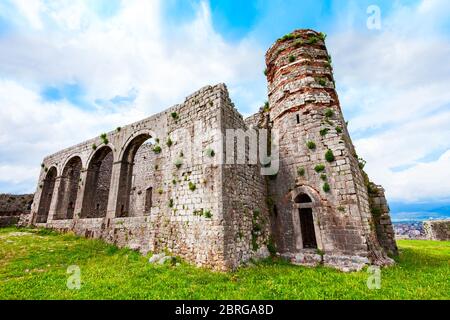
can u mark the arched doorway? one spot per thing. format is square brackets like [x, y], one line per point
[68, 189]
[48, 186]
[141, 143]
[98, 182]
[304, 205]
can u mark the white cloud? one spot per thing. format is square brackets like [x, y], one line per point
[133, 51]
[394, 84]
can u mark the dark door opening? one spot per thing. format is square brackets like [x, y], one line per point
[307, 227]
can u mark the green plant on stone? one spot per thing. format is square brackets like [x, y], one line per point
[329, 156]
[157, 149]
[210, 152]
[160, 191]
[361, 162]
[169, 142]
[323, 177]
[298, 43]
[338, 130]
[319, 168]
[170, 203]
[266, 106]
[157, 140]
[94, 146]
[322, 82]
[322, 36]
[329, 113]
[311, 145]
[324, 131]
[312, 40]
[300, 171]
[174, 115]
[174, 181]
[265, 71]
[118, 129]
[291, 58]
[207, 214]
[192, 186]
[326, 187]
[178, 163]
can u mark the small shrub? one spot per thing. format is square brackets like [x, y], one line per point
[178, 163]
[324, 132]
[207, 214]
[157, 140]
[181, 154]
[94, 147]
[338, 129]
[300, 171]
[157, 149]
[311, 145]
[103, 136]
[118, 129]
[169, 142]
[174, 115]
[329, 113]
[319, 168]
[312, 40]
[288, 36]
[266, 106]
[341, 209]
[298, 43]
[156, 167]
[170, 203]
[160, 191]
[174, 181]
[192, 186]
[42, 165]
[265, 72]
[326, 187]
[329, 156]
[362, 163]
[210, 152]
[322, 82]
[322, 36]
[291, 58]
[323, 177]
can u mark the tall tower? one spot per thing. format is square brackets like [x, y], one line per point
[322, 212]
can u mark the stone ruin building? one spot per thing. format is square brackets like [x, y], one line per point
[146, 187]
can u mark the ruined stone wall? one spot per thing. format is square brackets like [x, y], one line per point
[437, 230]
[382, 220]
[304, 108]
[185, 217]
[246, 215]
[12, 207]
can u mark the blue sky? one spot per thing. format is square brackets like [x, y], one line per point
[72, 69]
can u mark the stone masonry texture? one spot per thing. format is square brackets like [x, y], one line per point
[162, 184]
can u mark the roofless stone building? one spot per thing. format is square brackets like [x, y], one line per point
[172, 181]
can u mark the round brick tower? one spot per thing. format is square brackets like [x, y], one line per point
[322, 212]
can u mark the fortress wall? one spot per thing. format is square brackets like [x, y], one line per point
[246, 215]
[176, 220]
[437, 230]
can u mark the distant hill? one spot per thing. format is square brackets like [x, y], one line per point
[419, 211]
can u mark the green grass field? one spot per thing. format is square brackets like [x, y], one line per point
[33, 265]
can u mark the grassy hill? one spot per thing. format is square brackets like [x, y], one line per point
[33, 265]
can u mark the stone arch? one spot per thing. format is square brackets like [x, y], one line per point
[127, 161]
[305, 217]
[97, 184]
[48, 186]
[68, 189]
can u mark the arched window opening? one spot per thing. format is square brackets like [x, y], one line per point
[98, 181]
[135, 164]
[303, 198]
[48, 186]
[68, 189]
